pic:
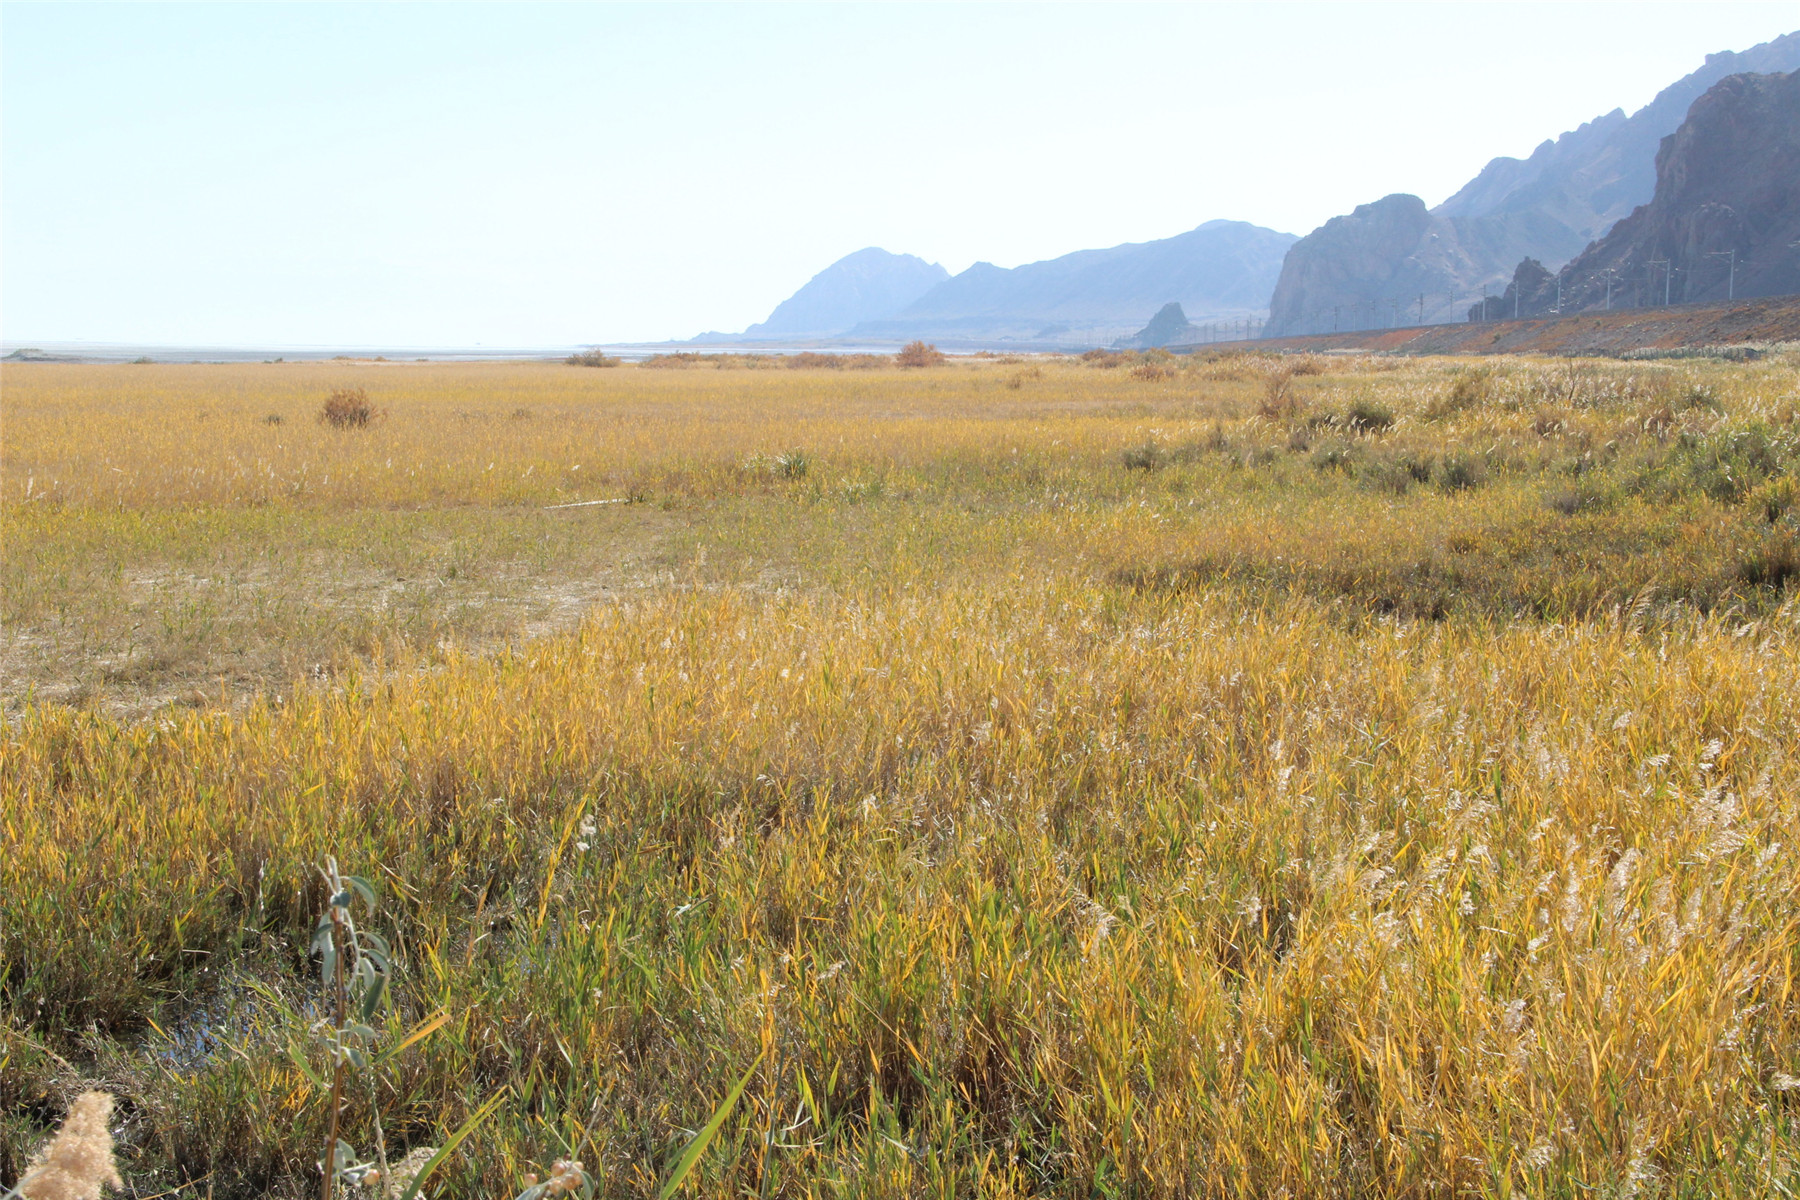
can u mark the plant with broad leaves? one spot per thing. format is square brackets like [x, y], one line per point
[356, 968]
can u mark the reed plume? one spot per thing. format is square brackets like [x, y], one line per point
[78, 1161]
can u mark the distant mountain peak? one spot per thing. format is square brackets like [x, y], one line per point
[1168, 327]
[865, 285]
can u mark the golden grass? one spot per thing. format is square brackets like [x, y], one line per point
[1054, 816]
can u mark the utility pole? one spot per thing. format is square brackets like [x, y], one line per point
[1517, 290]
[1731, 280]
[1421, 308]
[1484, 301]
[1395, 305]
[1609, 273]
[1667, 276]
[1334, 317]
[1559, 276]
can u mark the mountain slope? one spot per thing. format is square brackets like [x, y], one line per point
[1724, 219]
[1222, 268]
[863, 286]
[1593, 176]
[1379, 260]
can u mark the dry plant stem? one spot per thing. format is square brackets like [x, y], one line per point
[341, 1003]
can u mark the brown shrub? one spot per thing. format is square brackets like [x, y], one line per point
[809, 358]
[348, 408]
[1279, 401]
[680, 359]
[918, 354]
[591, 358]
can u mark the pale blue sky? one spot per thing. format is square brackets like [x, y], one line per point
[430, 175]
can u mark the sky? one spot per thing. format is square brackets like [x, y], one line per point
[426, 175]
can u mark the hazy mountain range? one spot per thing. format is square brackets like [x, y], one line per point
[1392, 261]
[1221, 271]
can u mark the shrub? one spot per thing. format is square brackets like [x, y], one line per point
[810, 358]
[1102, 358]
[592, 358]
[792, 465]
[273, 419]
[1776, 498]
[1398, 473]
[1279, 400]
[1151, 371]
[1697, 395]
[1332, 456]
[919, 354]
[1367, 416]
[1145, 457]
[1774, 564]
[1460, 472]
[1468, 388]
[1548, 423]
[348, 408]
[682, 358]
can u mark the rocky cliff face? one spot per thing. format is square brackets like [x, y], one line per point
[1547, 207]
[863, 286]
[1593, 176]
[1394, 262]
[1724, 221]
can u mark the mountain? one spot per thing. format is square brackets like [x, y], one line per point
[1723, 222]
[1591, 177]
[1223, 269]
[1394, 262]
[864, 286]
[1371, 268]
[1169, 327]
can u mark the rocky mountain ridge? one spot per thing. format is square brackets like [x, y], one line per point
[1395, 256]
[1723, 222]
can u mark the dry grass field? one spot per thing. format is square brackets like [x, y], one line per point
[1127, 777]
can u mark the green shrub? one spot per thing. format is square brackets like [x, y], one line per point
[1368, 416]
[1461, 471]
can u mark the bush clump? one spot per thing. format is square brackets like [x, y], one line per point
[1279, 400]
[348, 408]
[1369, 416]
[919, 354]
[592, 358]
[1145, 457]
[1468, 389]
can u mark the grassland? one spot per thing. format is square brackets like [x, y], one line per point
[1139, 778]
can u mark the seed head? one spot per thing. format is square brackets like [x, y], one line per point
[78, 1161]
